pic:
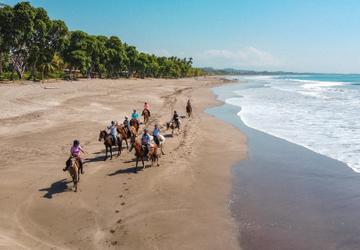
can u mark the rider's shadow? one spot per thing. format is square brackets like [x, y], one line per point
[55, 188]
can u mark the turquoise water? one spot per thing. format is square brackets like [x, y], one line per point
[318, 111]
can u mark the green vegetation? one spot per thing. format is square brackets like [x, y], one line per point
[32, 46]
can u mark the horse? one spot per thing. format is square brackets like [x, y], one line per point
[173, 125]
[161, 139]
[109, 142]
[140, 153]
[73, 167]
[188, 109]
[134, 122]
[146, 114]
[123, 133]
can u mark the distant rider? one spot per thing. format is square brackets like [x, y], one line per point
[176, 119]
[146, 106]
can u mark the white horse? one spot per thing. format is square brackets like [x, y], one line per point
[161, 142]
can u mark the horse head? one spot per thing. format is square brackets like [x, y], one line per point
[102, 134]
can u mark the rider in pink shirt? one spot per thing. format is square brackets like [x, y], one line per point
[75, 152]
[146, 106]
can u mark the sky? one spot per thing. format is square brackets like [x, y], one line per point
[290, 35]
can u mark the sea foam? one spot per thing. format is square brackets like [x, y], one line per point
[320, 115]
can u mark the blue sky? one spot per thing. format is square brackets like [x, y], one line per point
[306, 35]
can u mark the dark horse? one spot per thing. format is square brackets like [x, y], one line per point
[135, 123]
[73, 166]
[146, 114]
[188, 108]
[141, 154]
[173, 125]
[109, 142]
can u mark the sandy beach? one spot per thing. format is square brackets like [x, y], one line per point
[182, 204]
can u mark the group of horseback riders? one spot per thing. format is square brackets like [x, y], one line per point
[146, 138]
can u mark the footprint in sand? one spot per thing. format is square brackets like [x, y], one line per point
[122, 203]
[119, 221]
[112, 231]
[120, 196]
[117, 211]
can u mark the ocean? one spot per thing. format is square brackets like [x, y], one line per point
[318, 111]
[299, 186]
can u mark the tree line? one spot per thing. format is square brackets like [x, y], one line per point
[32, 46]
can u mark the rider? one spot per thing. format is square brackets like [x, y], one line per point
[126, 124]
[156, 133]
[145, 141]
[176, 119]
[113, 131]
[75, 151]
[135, 115]
[146, 106]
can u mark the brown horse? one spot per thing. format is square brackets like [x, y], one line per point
[188, 109]
[146, 114]
[135, 123]
[73, 167]
[109, 143]
[140, 153]
[123, 133]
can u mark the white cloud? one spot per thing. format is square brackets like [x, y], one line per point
[244, 57]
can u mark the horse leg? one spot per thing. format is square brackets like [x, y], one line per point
[161, 148]
[137, 161]
[119, 147]
[127, 145]
[106, 152]
[110, 152]
[142, 159]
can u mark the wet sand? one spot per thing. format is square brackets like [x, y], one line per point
[183, 204]
[288, 197]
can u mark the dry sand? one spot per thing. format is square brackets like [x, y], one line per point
[183, 204]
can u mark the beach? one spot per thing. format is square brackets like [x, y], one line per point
[182, 204]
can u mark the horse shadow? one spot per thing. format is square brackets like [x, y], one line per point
[55, 188]
[168, 135]
[94, 159]
[130, 170]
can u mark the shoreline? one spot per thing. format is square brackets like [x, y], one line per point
[289, 197]
[183, 204]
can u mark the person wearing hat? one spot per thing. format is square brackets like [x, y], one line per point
[126, 124]
[156, 133]
[146, 141]
[75, 152]
[113, 131]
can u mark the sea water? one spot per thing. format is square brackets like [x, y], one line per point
[320, 112]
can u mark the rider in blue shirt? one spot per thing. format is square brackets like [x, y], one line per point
[156, 133]
[145, 141]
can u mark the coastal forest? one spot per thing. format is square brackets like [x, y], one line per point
[34, 47]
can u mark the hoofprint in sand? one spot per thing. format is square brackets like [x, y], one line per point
[183, 204]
